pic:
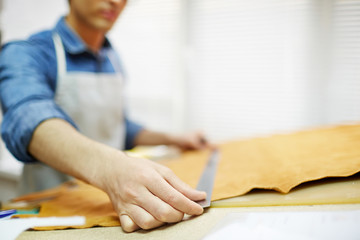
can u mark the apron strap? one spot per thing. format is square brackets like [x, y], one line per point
[61, 59]
[115, 62]
[60, 55]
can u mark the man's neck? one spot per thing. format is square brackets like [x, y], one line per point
[92, 37]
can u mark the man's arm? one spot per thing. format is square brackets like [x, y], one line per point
[191, 141]
[144, 194]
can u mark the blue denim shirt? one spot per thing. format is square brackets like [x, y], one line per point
[28, 71]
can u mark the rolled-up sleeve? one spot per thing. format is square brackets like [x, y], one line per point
[132, 130]
[26, 95]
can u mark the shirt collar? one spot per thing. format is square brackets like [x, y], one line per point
[72, 41]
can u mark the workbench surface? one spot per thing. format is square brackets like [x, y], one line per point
[192, 228]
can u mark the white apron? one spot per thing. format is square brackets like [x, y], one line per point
[94, 102]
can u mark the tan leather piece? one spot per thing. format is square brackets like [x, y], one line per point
[278, 162]
[281, 162]
[76, 199]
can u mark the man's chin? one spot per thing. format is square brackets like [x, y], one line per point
[104, 26]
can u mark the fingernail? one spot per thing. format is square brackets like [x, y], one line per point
[127, 223]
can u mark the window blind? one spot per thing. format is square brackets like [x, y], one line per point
[250, 70]
[344, 84]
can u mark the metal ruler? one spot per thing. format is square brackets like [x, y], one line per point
[206, 182]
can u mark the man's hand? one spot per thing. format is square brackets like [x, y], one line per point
[147, 195]
[143, 193]
[191, 141]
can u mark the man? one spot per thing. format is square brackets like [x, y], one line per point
[61, 97]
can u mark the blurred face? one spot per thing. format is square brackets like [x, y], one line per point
[96, 14]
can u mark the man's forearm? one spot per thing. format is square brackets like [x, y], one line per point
[191, 141]
[143, 193]
[147, 137]
[58, 144]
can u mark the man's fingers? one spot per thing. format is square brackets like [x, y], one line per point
[161, 210]
[141, 218]
[127, 224]
[181, 186]
[173, 197]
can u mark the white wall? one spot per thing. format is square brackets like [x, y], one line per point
[20, 18]
[150, 38]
